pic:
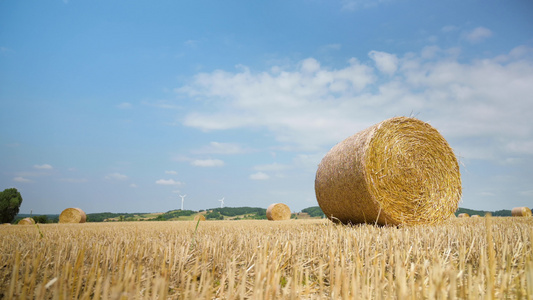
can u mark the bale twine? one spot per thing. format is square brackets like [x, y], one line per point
[278, 212]
[199, 217]
[463, 215]
[399, 171]
[72, 215]
[521, 212]
[26, 221]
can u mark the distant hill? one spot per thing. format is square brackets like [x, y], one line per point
[225, 213]
[498, 213]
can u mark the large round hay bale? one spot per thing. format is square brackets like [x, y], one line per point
[464, 215]
[521, 212]
[278, 212]
[199, 217]
[399, 171]
[26, 221]
[72, 215]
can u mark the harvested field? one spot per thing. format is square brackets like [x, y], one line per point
[294, 259]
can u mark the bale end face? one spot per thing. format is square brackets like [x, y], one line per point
[72, 215]
[278, 212]
[399, 171]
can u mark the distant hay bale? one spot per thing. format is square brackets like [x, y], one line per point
[6, 224]
[26, 221]
[399, 171]
[199, 217]
[475, 216]
[278, 212]
[521, 212]
[463, 215]
[72, 215]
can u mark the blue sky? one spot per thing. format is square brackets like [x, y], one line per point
[122, 106]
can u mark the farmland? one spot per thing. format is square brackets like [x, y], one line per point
[479, 258]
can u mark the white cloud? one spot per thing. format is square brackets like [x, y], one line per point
[207, 163]
[125, 105]
[477, 35]
[259, 176]
[272, 167]
[73, 180]
[21, 179]
[221, 148]
[311, 106]
[116, 176]
[296, 105]
[385, 62]
[449, 28]
[43, 167]
[171, 172]
[168, 182]
[133, 185]
[352, 5]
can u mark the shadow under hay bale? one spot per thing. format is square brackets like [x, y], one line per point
[72, 215]
[399, 171]
[26, 221]
[521, 212]
[278, 212]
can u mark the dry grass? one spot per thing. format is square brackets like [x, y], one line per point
[297, 259]
[399, 171]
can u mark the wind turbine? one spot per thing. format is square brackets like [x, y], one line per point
[221, 202]
[182, 197]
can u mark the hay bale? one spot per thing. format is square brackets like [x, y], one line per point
[72, 215]
[26, 221]
[6, 224]
[399, 171]
[464, 215]
[521, 212]
[278, 212]
[199, 217]
[475, 216]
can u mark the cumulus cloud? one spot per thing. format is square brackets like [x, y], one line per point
[43, 167]
[73, 180]
[385, 62]
[259, 176]
[207, 163]
[125, 105]
[310, 106]
[116, 176]
[221, 148]
[168, 182]
[272, 167]
[477, 35]
[21, 179]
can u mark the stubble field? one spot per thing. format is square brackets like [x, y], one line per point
[479, 258]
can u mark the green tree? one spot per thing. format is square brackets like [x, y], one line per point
[10, 201]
